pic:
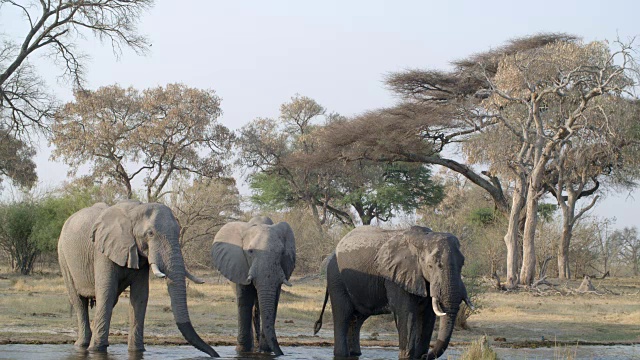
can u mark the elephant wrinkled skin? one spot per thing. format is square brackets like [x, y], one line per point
[258, 257]
[103, 250]
[414, 274]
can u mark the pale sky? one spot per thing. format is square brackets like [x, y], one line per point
[257, 54]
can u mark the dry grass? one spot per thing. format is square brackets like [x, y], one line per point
[479, 350]
[37, 307]
[524, 316]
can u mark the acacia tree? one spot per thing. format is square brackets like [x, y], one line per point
[604, 151]
[522, 101]
[288, 175]
[276, 151]
[53, 29]
[159, 134]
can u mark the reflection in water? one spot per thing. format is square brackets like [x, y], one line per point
[119, 352]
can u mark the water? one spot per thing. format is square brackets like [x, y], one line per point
[119, 352]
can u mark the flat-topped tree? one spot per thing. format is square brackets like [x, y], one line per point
[508, 110]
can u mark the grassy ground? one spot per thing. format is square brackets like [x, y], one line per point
[35, 309]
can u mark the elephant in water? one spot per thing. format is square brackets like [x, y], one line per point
[258, 257]
[414, 274]
[103, 250]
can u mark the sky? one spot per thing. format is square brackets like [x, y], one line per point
[258, 54]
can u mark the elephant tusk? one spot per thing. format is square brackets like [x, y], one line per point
[436, 307]
[249, 279]
[469, 303]
[157, 272]
[193, 278]
[286, 282]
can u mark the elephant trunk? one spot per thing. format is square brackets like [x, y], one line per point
[445, 330]
[268, 300]
[450, 299]
[176, 286]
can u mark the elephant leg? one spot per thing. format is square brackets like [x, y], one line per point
[426, 322]
[246, 299]
[106, 298]
[406, 313]
[341, 308]
[81, 306]
[139, 295]
[354, 334]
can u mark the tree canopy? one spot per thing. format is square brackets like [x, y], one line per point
[159, 134]
[283, 151]
[53, 29]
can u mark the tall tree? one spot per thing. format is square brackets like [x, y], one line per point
[275, 150]
[287, 175]
[53, 29]
[521, 100]
[159, 134]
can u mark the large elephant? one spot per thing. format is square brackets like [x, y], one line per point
[103, 250]
[414, 274]
[258, 257]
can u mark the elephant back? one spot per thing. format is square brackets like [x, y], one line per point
[75, 243]
[355, 255]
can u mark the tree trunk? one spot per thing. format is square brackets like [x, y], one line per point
[511, 237]
[564, 269]
[528, 270]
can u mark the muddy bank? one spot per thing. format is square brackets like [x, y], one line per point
[294, 341]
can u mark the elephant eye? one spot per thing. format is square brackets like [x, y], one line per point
[149, 232]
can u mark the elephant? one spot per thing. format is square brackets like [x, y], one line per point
[258, 257]
[415, 274]
[104, 249]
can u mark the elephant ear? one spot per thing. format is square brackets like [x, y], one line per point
[397, 261]
[228, 255]
[288, 260]
[112, 235]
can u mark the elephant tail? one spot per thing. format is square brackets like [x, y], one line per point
[318, 324]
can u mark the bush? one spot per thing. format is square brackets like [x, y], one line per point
[479, 350]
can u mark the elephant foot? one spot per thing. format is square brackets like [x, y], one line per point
[138, 348]
[81, 343]
[242, 349]
[98, 348]
[355, 353]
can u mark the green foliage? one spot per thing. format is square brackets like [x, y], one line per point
[16, 227]
[271, 191]
[546, 211]
[483, 216]
[389, 188]
[52, 212]
[31, 227]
